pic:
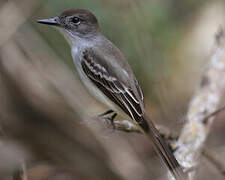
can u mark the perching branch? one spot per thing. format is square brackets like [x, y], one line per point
[122, 125]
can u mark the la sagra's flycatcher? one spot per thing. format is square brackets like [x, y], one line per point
[107, 74]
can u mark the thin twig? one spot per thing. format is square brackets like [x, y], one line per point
[216, 112]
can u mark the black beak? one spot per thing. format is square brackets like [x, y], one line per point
[51, 21]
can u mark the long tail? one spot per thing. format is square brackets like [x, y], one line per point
[162, 148]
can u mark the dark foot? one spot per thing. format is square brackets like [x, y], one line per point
[111, 119]
[106, 113]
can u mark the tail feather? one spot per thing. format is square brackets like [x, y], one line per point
[162, 148]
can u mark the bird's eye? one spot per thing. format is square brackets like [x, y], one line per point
[76, 20]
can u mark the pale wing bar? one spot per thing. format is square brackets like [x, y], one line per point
[112, 88]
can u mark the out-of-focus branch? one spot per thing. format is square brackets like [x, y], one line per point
[205, 101]
[15, 16]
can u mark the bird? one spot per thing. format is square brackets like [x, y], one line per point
[107, 75]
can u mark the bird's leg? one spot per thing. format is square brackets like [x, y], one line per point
[110, 117]
[106, 113]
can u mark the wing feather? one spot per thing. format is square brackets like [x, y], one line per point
[116, 91]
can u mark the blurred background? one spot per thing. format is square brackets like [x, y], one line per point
[48, 129]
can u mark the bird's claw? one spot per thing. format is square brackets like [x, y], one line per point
[111, 119]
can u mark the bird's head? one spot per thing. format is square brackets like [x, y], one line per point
[74, 22]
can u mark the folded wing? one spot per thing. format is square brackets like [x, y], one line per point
[112, 87]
